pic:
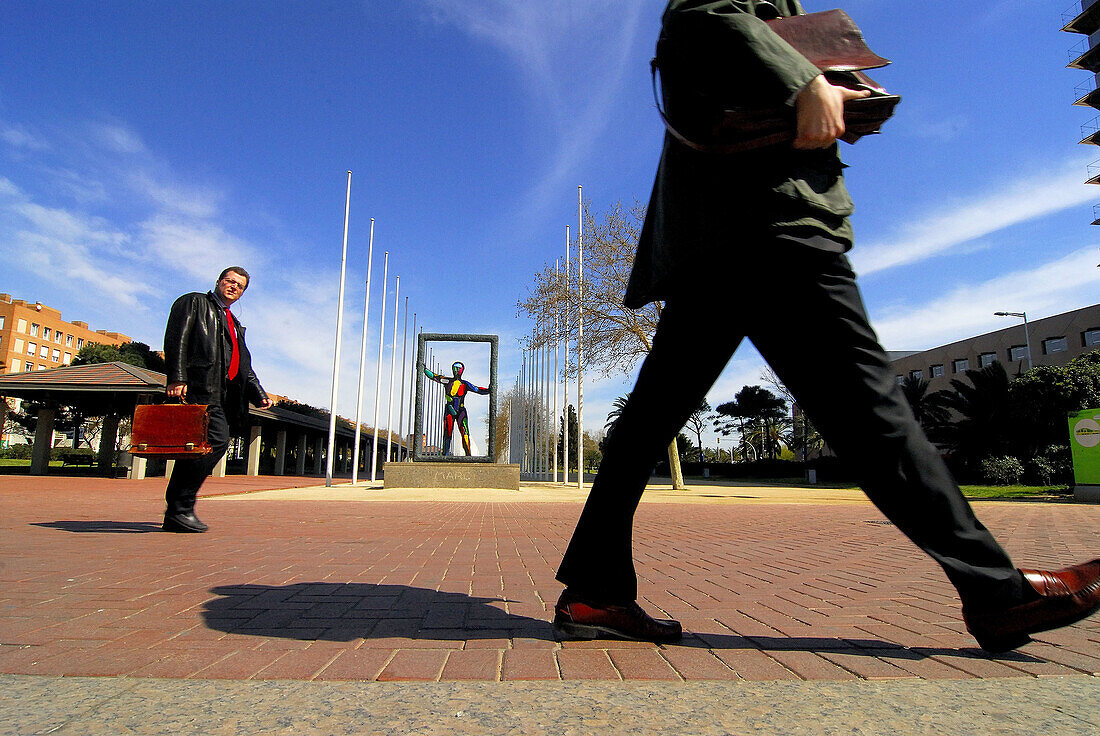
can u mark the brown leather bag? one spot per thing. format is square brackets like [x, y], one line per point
[833, 43]
[170, 431]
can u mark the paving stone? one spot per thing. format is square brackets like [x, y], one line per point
[473, 664]
[586, 664]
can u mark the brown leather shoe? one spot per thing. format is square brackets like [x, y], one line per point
[581, 620]
[1061, 598]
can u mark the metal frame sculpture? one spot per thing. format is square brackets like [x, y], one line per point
[456, 390]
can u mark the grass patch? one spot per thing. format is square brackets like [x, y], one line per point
[1036, 492]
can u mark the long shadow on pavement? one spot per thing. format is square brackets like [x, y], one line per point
[346, 611]
[102, 527]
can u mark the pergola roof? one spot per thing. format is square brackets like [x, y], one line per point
[94, 378]
[115, 387]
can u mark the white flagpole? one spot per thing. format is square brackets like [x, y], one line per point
[429, 404]
[362, 364]
[401, 402]
[580, 339]
[412, 395]
[546, 439]
[336, 356]
[565, 407]
[557, 338]
[393, 368]
[378, 374]
[523, 394]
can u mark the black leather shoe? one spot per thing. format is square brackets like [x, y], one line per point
[1057, 598]
[579, 619]
[184, 523]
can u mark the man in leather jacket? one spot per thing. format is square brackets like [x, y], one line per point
[207, 363]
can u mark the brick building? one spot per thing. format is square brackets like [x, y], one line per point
[34, 337]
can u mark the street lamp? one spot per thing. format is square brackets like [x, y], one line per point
[1027, 337]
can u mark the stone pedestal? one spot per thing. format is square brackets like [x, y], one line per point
[1086, 494]
[451, 475]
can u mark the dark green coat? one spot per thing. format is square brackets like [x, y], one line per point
[708, 211]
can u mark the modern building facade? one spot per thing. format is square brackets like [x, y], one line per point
[33, 337]
[1084, 17]
[1052, 340]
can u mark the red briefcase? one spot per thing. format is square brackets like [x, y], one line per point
[170, 431]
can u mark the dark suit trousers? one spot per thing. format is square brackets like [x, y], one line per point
[189, 475]
[802, 310]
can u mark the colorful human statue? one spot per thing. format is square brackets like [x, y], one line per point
[454, 404]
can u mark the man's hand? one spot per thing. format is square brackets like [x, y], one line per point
[177, 390]
[820, 112]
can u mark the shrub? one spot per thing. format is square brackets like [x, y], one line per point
[17, 452]
[1003, 470]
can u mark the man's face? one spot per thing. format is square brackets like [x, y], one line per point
[231, 287]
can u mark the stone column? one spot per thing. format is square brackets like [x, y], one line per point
[280, 452]
[301, 465]
[254, 450]
[137, 467]
[43, 434]
[318, 459]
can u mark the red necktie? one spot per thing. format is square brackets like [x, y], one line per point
[235, 359]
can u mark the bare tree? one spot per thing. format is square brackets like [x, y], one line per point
[615, 337]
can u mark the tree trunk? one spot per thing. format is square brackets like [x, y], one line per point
[674, 467]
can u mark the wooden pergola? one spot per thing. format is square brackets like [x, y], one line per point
[112, 390]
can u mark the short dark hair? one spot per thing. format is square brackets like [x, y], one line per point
[239, 270]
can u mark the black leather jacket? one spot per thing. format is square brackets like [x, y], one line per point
[197, 349]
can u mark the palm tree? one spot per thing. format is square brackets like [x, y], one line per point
[613, 416]
[982, 408]
[928, 408]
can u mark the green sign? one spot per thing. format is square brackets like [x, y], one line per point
[1084, 442]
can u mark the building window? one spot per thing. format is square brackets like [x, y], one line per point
[56, 356]
[3, 320]
[44, 352]
[1017, 352]
[961, 365]
[17, 346]
[79, 343]
[68, 341]
[68, 358]
[32, 348]
[57, 337]
[15, 365]
[21, 326]
[935, 371]
[1088, 337]
[916, 375]
[987, 359]
[46, 333]
[42, 366]
[34, 330]
[29, 367]
[1054, 345]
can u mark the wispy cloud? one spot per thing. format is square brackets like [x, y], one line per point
[1050, 288]
[119, 138]
[1028, 197]
[21, 138]
[573, 56]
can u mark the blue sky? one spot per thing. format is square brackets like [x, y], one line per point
[144, 145]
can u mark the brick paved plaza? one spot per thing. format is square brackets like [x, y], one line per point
[448, 591]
